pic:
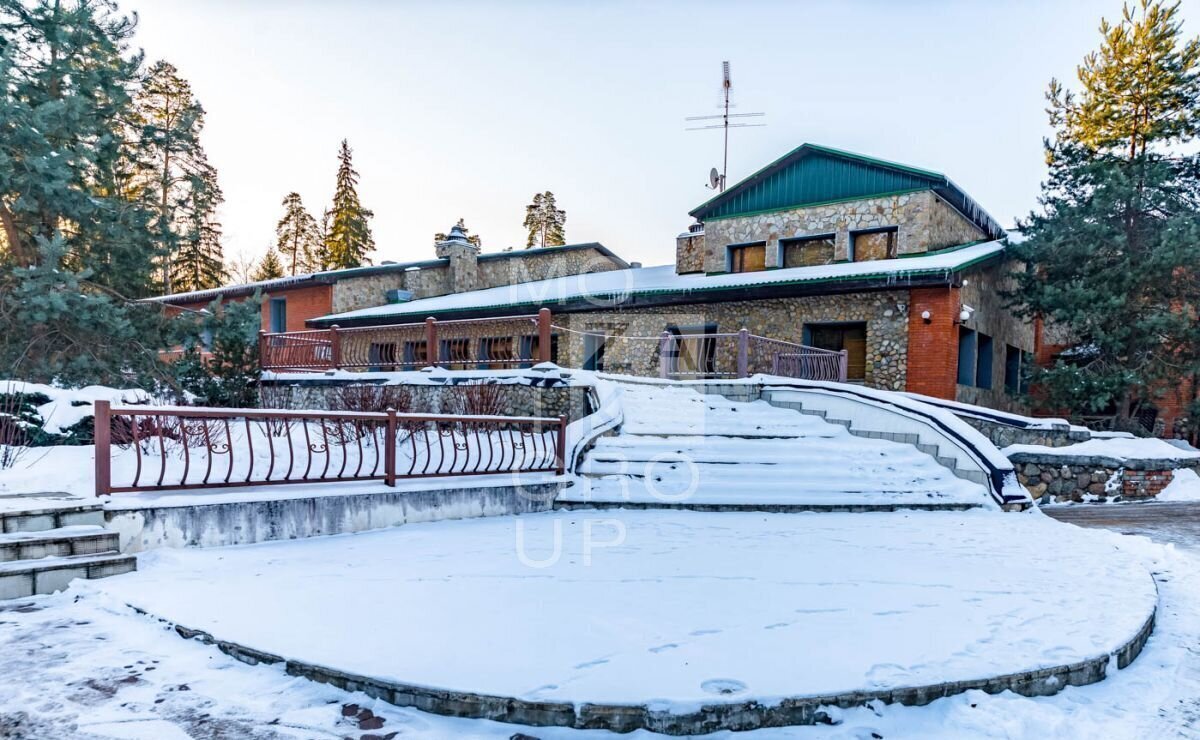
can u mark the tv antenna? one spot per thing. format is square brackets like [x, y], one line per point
[716, 180]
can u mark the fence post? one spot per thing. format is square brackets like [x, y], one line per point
[664, 359]
[262, 350]
[431, 341]
[335, 348]
[543, 323]
[102, 435]
[389, 449]
[562, 444]
[843, 366]
[743, 358]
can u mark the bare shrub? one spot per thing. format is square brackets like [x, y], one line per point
[479, 398]
[14, 428]
[365, 398]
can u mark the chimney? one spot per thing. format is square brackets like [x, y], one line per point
[464, 260]
[689, 250]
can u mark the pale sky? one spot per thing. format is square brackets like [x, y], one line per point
[469, 108]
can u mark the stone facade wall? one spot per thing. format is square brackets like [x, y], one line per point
[462, 272]
[550, 264]
[351, 294]
[983, 291]
[923, 221]
[515, 399]
[689, 252]
[1003, 435]
[1057, 479]
[885, 314]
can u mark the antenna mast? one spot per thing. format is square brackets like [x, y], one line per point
[717, 180]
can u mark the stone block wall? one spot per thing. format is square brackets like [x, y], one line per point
[1062, 478]
[689, 252]
[884, 312]
[923, 221]
[516, 399]
[983, 291]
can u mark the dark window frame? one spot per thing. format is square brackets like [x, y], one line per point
[731, 261]
[893, 250]
[798, 240]
[984, 359]
[277, 314]
[966, 356]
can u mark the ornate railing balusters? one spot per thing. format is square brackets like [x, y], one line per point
[190, 438]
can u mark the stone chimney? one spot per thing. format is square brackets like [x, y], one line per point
[689, 250]
[464, 260]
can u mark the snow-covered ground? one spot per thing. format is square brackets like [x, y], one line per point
[82, 665]
[1132, 448]
[637, 606]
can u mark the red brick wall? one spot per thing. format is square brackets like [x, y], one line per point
[933, 347]
[302, 304]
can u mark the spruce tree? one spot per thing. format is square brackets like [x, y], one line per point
[545, 222]
[177, 181]
[1110, 260]
[269, 268]
[65, 76]
[298, 238]
[348, 240]
[472, 238]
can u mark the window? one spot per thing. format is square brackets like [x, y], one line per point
[851, 337]
[966, 356]
[877, 244]
[277, 309]
[983, 361]
[748, 257]
[381, 356]
[810, 250]
[531, 349]
[593, 351]
[1012, 369]
[1026, 364]
[695, 351]
[496, 353]
[454, 354]
[415, 354]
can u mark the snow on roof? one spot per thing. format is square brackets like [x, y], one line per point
[617, 285]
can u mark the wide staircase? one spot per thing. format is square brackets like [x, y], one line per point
[680, 448]
[52, 541]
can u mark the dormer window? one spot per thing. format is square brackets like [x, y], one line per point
[748, 257]
[874, 244]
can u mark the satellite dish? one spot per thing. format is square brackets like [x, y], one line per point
[714, 178]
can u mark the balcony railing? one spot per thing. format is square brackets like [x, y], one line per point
[500, 343]
[742, 354]
[179, 447]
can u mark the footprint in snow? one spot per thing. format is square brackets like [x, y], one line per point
[593, 663]
[661, 648]
[699, 633]
[723, 686]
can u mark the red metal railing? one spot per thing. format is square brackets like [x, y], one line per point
[504, 342]
[187, 448]
[741, 354]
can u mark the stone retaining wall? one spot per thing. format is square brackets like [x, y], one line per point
[1060, 478]
[1002, 435]
[516, 399]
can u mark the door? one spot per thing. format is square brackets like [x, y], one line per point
[851, 337]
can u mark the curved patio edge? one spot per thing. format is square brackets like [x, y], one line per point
[737, 716]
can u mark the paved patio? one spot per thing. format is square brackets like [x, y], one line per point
[1177, 524]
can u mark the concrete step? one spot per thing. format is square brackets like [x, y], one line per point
[62, 542]
[22, 578]
[43, 519]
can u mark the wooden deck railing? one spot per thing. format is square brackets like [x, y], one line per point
[504, 342]
[179, 447]
[742, 354]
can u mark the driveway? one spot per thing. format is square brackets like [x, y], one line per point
[1177, 523]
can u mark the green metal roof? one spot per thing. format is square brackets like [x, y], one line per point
[812, 175]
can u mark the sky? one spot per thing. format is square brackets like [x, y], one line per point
[466, 109]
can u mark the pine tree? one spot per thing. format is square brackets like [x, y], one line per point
[298, 238]
[545, 221]
[1111, 259]
[472, 238]
[66, 73]
[349, 240]
[269, 267]
[177, 181]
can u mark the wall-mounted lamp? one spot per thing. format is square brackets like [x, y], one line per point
[926, 316]
[965, 314]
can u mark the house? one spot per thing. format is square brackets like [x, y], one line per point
[289, 303]
[894, 267]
